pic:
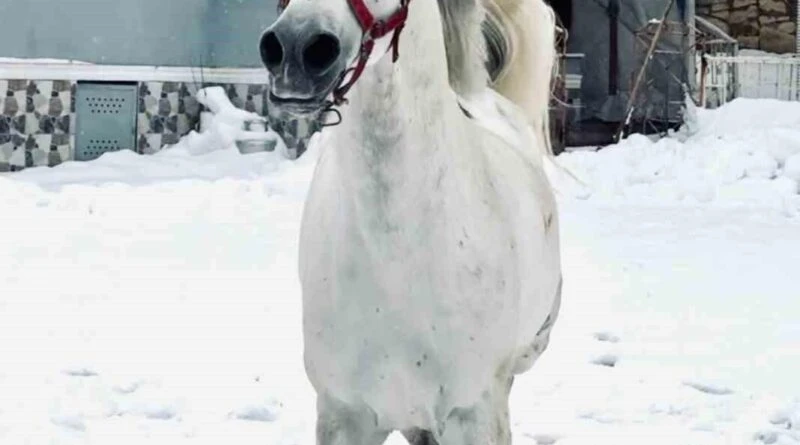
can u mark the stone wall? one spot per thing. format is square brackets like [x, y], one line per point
[768, 25]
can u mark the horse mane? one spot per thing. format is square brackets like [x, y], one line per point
[506, 45]
[462, 22]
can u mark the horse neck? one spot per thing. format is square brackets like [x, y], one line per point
[399, 112]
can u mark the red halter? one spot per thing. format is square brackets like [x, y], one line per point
[373, 30]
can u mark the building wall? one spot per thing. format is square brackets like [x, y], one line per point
[768, 25]
[169, 110]
[36, 123]
[207, 33]
[37, 117]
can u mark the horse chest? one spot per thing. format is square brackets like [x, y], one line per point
[407, 312]
[408, 303]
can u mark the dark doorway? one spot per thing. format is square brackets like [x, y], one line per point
[563, 10]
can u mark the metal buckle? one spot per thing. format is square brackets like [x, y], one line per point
[330, 109]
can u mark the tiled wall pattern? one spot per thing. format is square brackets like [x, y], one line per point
[37, 118]
[36, 123]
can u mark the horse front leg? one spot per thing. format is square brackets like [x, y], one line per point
[485, 423]
[420, 437]
[340, 424]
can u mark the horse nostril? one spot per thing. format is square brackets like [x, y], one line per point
[271, 51]
[321, 53]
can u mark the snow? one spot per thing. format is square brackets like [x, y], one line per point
[739, 155]
[791, 168]
[155, 299]
[227, 125]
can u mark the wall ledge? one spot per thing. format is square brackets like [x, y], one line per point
[78, 71]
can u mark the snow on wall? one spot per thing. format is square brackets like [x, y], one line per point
[169, 110]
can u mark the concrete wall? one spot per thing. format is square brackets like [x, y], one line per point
[769, 25]
[136, 32]
[236, 30]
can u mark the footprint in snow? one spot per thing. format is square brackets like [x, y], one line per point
[788, 418]
[256, 413]
[766, 437]
[150, 411]
[776, 437]
[73, 423]
[79, 372]
[607, 360]
[159, 412]
[606, 337]
[781, 418]
[127, 388]
[545, 439]
[709, 388]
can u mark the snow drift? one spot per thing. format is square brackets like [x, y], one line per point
[747, 151]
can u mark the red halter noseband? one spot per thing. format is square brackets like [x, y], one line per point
[373, 30]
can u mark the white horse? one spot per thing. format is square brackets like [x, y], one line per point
[429, 253]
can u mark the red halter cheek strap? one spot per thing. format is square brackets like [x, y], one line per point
[373, 30]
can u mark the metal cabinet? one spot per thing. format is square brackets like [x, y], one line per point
[105, 118]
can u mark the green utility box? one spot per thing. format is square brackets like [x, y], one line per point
[105, 118]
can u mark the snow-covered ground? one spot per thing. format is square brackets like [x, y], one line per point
[154, 299]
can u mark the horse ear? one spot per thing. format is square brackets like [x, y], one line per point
[282, 4]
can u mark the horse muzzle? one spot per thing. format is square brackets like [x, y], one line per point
[305, 64]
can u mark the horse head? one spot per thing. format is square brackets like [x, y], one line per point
[317, 49]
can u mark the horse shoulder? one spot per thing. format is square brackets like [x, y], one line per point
[531, 212]
[318, 215]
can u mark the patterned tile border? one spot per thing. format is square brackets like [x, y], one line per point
[37, 117]
[36, 121]
[169, 110]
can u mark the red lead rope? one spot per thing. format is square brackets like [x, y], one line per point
[373, 30]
